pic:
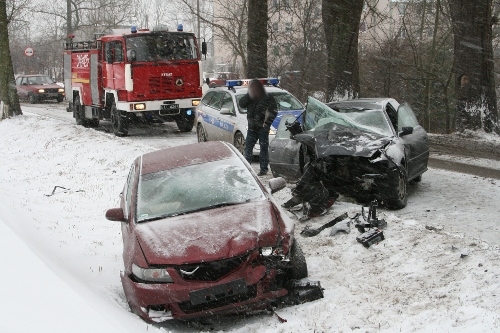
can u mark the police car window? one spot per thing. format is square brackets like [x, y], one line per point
[238, 97]
[216, 100]
[286, 101]
[227, 102]
[207, 97]
[406, 117]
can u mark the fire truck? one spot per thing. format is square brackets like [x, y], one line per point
[147, 76]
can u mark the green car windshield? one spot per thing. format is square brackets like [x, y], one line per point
[195, 187]
[318, 114]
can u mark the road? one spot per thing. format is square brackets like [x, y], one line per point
[442, 197]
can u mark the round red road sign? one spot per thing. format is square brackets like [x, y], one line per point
[29, 52]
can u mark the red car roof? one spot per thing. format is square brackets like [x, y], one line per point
[177, 157]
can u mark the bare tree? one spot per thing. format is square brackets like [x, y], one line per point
[257, 38]
[341, 21]
[8, 93]
[473, 65]
[228, 20]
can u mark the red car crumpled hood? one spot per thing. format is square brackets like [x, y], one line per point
[208, 235]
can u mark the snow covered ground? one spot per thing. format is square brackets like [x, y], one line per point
[63, 257]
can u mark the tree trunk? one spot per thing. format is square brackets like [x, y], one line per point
[473, 65]
[257, 39]
[341, 20]
[8, 92]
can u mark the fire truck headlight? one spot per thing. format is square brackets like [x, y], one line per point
[41, 91]
[140, 106]
[195, 102]
[61, 90]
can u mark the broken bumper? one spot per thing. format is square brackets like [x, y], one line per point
[246, 289]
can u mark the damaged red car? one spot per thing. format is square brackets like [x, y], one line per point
[202, 235]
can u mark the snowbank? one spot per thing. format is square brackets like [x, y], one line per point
[417, 280]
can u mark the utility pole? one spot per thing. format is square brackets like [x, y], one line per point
[69, 23]
[198, 17]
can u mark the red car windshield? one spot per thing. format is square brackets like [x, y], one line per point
[194, 188]
[39, 80]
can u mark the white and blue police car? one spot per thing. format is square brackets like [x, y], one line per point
[219, 117]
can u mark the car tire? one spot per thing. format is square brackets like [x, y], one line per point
[94, 123]
[239, 142]
[59, 99]
[298, 264]
[185, 124]
[400, 197]
[118, 122]
[78, 112]
[201, 134]
[32, 98]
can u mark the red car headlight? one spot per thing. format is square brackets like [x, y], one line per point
[151, 274]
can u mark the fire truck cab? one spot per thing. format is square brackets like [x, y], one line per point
[134, 76]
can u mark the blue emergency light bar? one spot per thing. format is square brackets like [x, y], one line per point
[266, 81]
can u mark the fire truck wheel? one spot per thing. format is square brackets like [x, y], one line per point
[185, 124]
[78, 111]
[94, 123]
[118, 122]
[200, 131]
[32, 98]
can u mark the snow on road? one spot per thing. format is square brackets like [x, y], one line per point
[417, 280]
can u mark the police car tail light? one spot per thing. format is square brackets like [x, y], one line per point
[265, 81]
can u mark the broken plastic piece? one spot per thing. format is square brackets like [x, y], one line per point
[370, 237]
[344, 226]
[302, 291]
[308, 232]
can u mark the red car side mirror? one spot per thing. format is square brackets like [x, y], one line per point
[115, 214]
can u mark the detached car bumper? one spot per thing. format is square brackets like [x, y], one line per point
[44, 96]
[248, 288]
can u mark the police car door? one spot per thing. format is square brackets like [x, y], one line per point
[227, 118]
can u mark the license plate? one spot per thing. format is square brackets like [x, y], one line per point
[218, 292]
[169, 106]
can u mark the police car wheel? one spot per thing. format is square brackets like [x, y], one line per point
[200, 131]
[118, 122]
[239, 142]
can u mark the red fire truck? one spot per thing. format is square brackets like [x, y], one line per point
[137, 76]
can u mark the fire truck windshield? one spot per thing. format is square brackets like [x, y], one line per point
[157, 47]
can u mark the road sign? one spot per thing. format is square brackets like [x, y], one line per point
[29, 52]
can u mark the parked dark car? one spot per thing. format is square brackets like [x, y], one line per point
[202, 235]
[365, 147]
[37, 88]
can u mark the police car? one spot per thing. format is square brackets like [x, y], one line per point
[220, 118]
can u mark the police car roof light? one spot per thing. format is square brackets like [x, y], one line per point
[266, 81]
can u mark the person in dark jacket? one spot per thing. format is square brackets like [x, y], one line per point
[261, 112]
